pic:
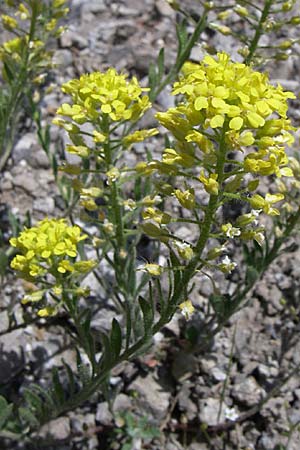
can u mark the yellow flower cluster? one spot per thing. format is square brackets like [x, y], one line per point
[49, 247]
[108, 93]
[223, 95]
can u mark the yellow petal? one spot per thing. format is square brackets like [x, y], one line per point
[217, 121]
[200, 103]
[236, 123]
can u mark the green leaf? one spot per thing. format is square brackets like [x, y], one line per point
[28, 417]
[148, 315]
[58, 389]
[221, 305]
[152, 76]
[106, 359]
[161, 63]
[49, 401]
[71, 378]
[5, 411]
[115, 338]
[84, 374]
[8, 72]
[251, 275]
[33, 400]
[3, 262]
[182, 36]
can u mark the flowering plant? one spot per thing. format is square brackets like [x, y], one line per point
[228, 130]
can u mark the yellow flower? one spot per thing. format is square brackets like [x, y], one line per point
[79, 150]
[210, 183]
[139, 136]
[258, 202]
[230, 231]
[227, 265]
[48, 311]
[112, 175]
[186, 198]
[105, 93]
[152, 269]
[156, 215]
[45, 245]
[218, 93]
[184, 249]
[187, 309]
[9, 22]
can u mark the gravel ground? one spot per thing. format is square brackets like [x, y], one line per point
[176, 388]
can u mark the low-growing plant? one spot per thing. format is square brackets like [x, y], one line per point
[228, 130]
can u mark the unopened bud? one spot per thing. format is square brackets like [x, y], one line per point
[209, 5]
[285, 44]
[281, 56]
[287, 6]
[241, 11]
[295, 20]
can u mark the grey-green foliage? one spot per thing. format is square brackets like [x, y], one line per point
[136, 428]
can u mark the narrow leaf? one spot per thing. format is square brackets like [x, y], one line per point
[116, 338]
[161, 63]
[148, 315]
[33, 400]
[28, 417]
[5, 411]
[58, 389]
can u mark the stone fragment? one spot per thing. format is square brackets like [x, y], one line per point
[152, 397]
[248, 392]
[103, 415]
[25, 148]
[12, 355]
[209, 411]
[59, 429]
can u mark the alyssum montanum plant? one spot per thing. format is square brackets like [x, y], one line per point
[223, 107]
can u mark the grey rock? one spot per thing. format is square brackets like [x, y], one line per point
[44, 205]
[12, 354]
[198, 446]
[6, 181]
[93, 6]
[103, 415]
[209, 410]
[63, 57]
[4, 321]
[122, 403]
[248, 392]
[186, 404]
[82, 421]
[58, 429]
[73, 38]
[164, 8]
[294, 416]
[218, 374]
[151, 396]
[25, 148]
[39, 159]
[26, 182]
[266, 442]
[173, 444]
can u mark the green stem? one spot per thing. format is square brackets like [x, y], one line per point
[17, 90]
[189, 270]
[259, 31]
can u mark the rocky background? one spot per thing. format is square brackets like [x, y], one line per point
[176, 397]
